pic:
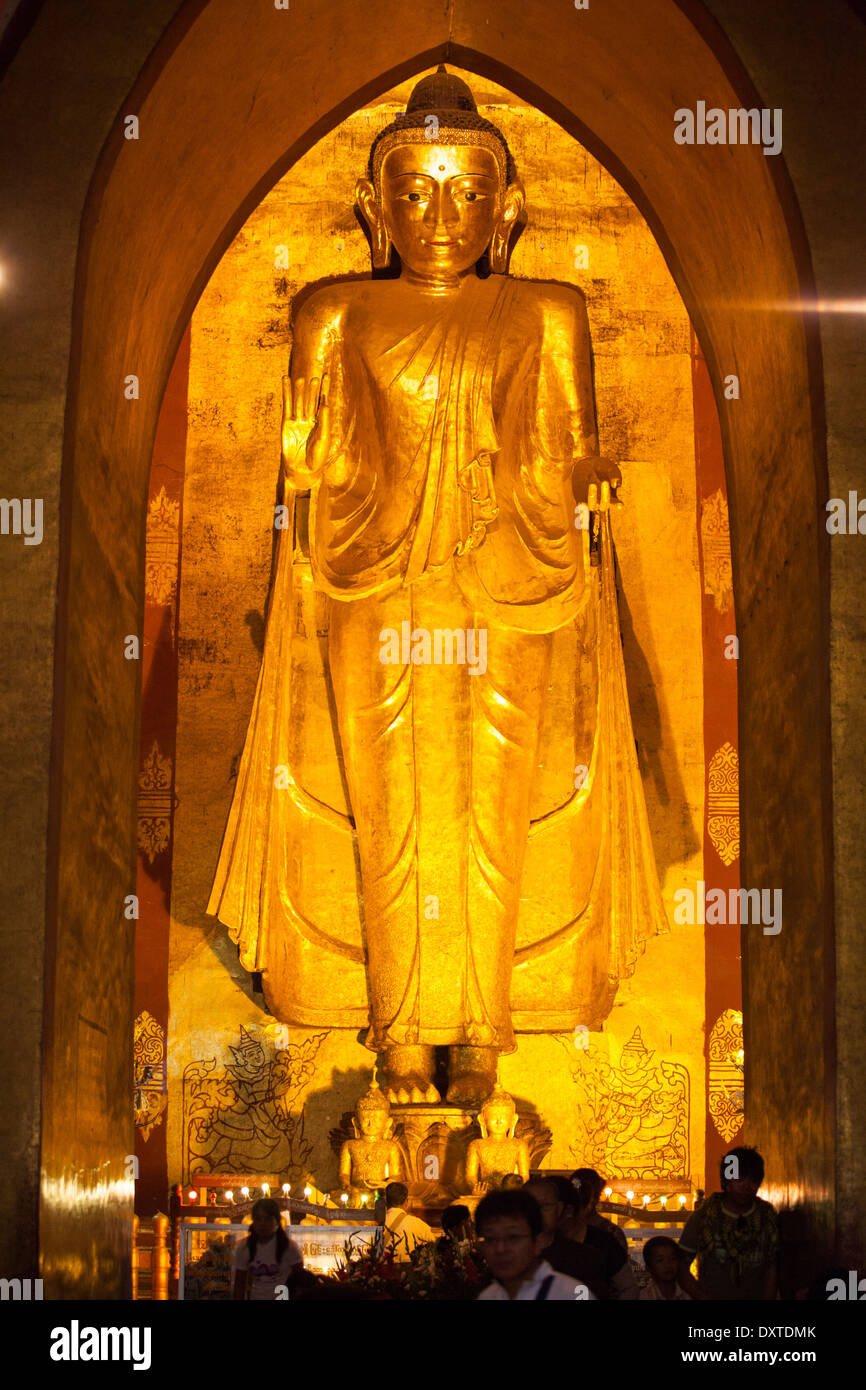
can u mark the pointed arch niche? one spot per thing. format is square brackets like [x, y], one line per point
[209, 548]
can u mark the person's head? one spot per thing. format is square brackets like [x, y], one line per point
[568, 1197]
[583, 1195]
[590, 1183]
[741, 1172]
[661, 1257]
[442, 187]
[455, 1220]
[396, 1195]
[510, 1230]
[266, 1218]
[546, 1194]
[512, 1180]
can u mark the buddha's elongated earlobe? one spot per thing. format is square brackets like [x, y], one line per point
[515, 201]
[372, 211]
[499, 251]
[381, 245]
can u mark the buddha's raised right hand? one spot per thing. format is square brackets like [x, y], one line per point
[306, 433]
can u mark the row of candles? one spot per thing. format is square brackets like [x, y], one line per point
[647, 1198]
[229, 1196]
[245, 1192]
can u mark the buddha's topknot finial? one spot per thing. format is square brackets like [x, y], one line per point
[374, 1099]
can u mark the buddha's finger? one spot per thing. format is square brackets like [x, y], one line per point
[592, 497]
[312, 398]
[287, 394]
[605, 497]
[298, 398]
[326, 387]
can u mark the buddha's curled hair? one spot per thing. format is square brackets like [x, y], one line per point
[450, 100]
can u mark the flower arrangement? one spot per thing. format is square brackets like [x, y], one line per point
[373, 1271]
[447, 1270]
[440, 1270]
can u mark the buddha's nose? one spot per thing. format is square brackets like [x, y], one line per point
[442, 212]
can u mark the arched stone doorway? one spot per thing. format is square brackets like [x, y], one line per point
[226, 103]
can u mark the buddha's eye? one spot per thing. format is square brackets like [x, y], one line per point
[414, 197]
[470, 196]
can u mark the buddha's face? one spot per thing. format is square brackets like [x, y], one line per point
[497, 1119]
[441, 205]
[372, 1123]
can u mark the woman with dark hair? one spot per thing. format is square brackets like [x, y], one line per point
[267, 1258]
[588, 1178]
[577, 1199]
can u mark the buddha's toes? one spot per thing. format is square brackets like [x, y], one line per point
[413, 1089]
[471, 1088]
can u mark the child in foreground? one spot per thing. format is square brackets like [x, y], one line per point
[511, 1234]
[662, 1258]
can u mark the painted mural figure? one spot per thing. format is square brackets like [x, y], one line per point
[634, 1116]
[644, 1117]
[438, 833]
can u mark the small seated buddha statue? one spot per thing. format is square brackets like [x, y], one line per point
[497, 1153]
[372, 1159]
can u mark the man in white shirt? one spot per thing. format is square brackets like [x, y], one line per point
[511, 1235]
[402, 1230]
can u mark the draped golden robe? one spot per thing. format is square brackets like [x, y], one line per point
[445, 856]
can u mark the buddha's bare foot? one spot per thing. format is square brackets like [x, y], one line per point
[472, 1072]
[408, 1075]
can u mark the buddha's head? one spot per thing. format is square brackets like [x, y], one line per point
[498, 1114]
[442, 187]
[373, 1114]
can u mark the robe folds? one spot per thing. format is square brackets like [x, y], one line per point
[439, 853]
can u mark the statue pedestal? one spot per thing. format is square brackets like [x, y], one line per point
[434, 1140]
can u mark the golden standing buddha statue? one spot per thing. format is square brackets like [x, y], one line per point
[497, 1154]
[409, 848]
[372, 1159]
